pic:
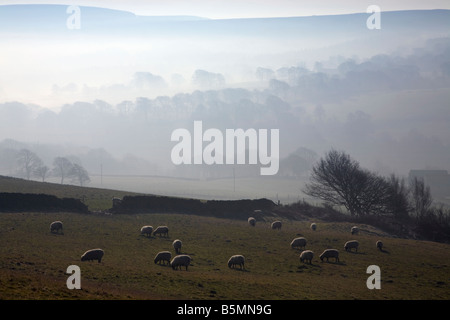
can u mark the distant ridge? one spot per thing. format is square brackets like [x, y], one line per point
[52, 18]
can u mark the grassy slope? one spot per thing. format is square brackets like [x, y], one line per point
[33, 261]
[94, 198]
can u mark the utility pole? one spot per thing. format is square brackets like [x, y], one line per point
[234, 180]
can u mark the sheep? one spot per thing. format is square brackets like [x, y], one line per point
[355, 230]
[93, 254]
[236, 260]
[251, 221]
[182, 260]
[55, 226]
[349, 245]
[161, 230]
[330, 253]
[380, 245]
[306, 255]
[313, 226]
[298, 242]
[177, 246]
[163, 256]
[147, 230]
[276, 225]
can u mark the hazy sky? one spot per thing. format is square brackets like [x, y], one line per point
[219, 9]
[49, 71]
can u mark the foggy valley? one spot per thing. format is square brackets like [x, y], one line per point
[109, 95]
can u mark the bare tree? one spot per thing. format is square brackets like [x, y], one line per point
[339, 180]
[42, 172]
[421, 197]
[398, 203]
[28, 161]
[374, 194]
[62, 167]
[80, 174]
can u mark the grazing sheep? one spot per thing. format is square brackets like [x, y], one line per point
[55, 226]
[177, 246]
[313, 226]
[179, 261]
[306, 255]
[236, 260]
[380, 245]
[276, 225]
[147, 230]
[349, 245]
[163, 256]
[93, 254]
[251, 221]
[330, 253]
[298, 242]
[161, 230]
[355, 230]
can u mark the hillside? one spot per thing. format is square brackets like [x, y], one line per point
[95, 198]
[33, 261]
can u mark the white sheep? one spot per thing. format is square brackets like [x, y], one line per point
[177, 246]
[276, 225]
[352, 244]
[182, 260]
[161, 230]
[93, 254]
[236, 260]
[55, 226]
[313, 226]
[330, 253]
[147, 230]
[380, 245]
[298, 242]
[306, 255]
[163, 256]
[251, 221]
[355, 230]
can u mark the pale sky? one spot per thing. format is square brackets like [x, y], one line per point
[222, 9]
[50, 71]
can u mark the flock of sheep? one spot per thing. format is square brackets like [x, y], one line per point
[177, 262]
[184, 260]
[307, 255]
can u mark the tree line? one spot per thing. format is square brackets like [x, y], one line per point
[30, 165]
[339, 180]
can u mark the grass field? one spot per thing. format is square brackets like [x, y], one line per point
[274, 188]
[33, 261]
[94, 198]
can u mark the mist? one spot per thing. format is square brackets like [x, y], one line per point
[111, 93]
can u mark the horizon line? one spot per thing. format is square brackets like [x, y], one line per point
[200, 17]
